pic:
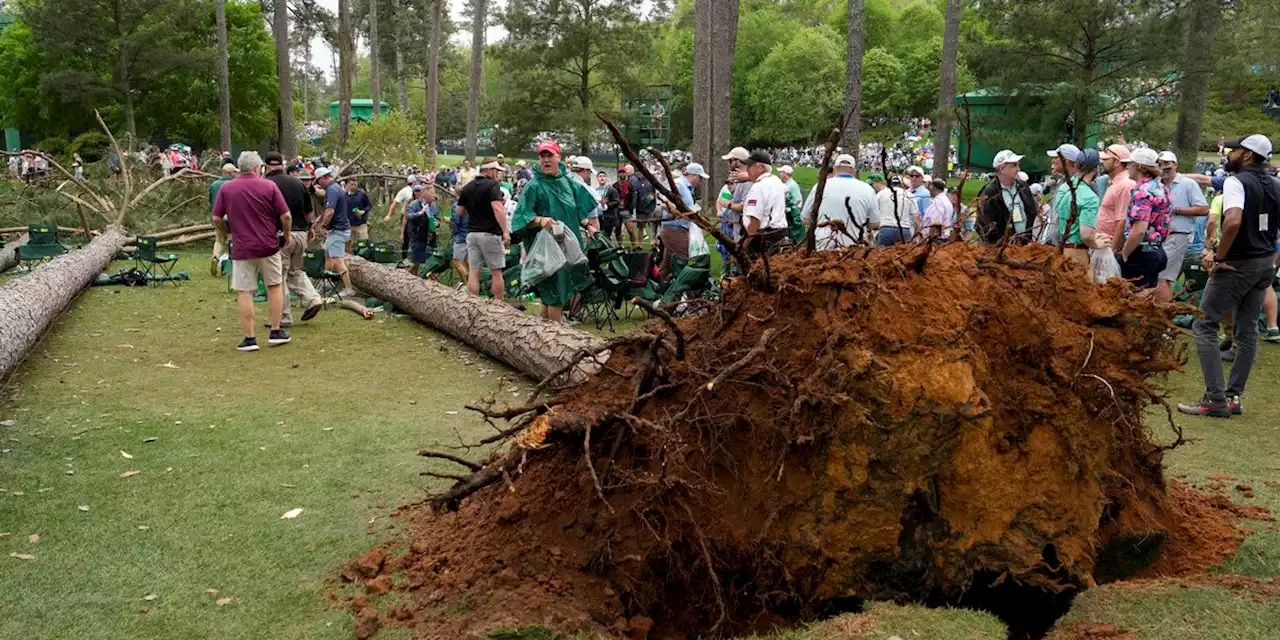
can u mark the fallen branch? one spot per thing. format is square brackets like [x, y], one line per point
[666, 317]
[810, 237]
[515, 412]
[429, 453]
[352, 305]
[72, 230]
[737, 366]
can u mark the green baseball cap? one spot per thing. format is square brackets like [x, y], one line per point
[875, 176]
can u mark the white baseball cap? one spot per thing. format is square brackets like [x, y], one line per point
[1256, 143]
[1145, 157]
[323, 171]
[695, 169]
[1167, 156]
[581, 162]
[737, 153]
[913, 169]
[1006, 157]
[787, 169]
[845, 160]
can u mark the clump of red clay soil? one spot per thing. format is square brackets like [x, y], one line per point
[937, 424]
[1205, 532]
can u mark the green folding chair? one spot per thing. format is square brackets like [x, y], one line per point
[42, 245]
[328, 283]
[157, 267]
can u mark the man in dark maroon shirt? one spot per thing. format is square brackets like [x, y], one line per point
[254, 212]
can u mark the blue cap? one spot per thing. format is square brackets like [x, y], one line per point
[695, 169]
[1068, 152]
[1090, 159]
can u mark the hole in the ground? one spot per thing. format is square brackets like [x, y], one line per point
[1028, 612]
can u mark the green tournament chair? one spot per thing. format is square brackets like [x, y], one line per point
[328, 283]
[157, 267]
[42, 245]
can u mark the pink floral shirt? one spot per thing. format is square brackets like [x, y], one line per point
[1150, 203]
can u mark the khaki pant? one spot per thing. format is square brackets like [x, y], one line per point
[294, 275]
[219, 242]
[244, 273]
[360, 233]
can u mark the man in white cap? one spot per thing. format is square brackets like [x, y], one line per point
[1006, 206]
[1240, 271]
[581, 168]
[898, 217]
[795, 199]
[731, 217]
[1189, 208]
[674, 233]
[488, 230]
[399, 204]
[764, 215]
[1077, 226]
[917, 188]
[219, 237]
[849, 213]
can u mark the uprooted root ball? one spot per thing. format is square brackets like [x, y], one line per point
[929, 423]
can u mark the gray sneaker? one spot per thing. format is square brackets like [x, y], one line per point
[1272, 336]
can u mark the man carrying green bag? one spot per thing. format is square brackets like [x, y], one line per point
[549, 198]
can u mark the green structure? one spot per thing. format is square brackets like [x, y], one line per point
[361, 110]
[12, 141]
[646, 116]
[1025, 124]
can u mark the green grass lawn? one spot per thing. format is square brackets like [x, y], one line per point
[330, 424]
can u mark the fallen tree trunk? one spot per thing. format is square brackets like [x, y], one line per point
[30, 304]
[72, 230]
[9, 254]
[170, 233]
[533, 346]
[173, 242]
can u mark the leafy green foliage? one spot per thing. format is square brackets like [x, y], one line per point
[91, 145]
[808, 71]
[394, 139]
[882, 79]
[58, 70]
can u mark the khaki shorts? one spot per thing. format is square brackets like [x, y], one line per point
[244, 273]
[360, 233]
[1175, 246]
[486, 250]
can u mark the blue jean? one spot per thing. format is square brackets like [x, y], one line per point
[1238, 292]
[889, 236]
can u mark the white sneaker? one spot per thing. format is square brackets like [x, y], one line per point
[349, 294]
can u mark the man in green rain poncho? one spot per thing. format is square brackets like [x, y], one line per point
[553, 196]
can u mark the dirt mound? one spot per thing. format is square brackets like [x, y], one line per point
[929, 424]
[1205, 532]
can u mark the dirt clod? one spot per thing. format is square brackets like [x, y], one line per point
[371, 562]
[379, 586]
[367, 623]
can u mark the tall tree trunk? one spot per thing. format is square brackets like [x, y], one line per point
[306, 82]
[433, 82]
[402, 84]
[853, 76]
[286, 131]
[1193, 89]
[476, 85]
[9, 253]
[946, 90]
[703, 108]
[375, 77]
[224, 78]
[724, 33]
[130, 122]
[533, 346]
[30, 304]
[344, 73]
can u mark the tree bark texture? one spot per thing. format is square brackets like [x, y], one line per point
[433, 82]
[715, 35]
[286, 132]
[1194, 87]
[9, 253]
[402, 83]
[946, 90]
[375, 76]
[853, 77]
[476, 85]
[30, 304]
[531, 345]
[345, 62]
[224, 78]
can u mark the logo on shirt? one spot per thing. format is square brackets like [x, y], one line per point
[751, 203]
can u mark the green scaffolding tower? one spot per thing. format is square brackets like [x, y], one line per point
[646, 116]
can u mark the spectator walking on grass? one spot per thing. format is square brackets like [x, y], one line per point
[1187, 206]
[334, 228]
[219, 235]
[293, 260]
[488, 233]
[259, 211]
[1241, 269]
[419, 230]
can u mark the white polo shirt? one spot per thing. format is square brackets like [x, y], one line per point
[767, 202]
